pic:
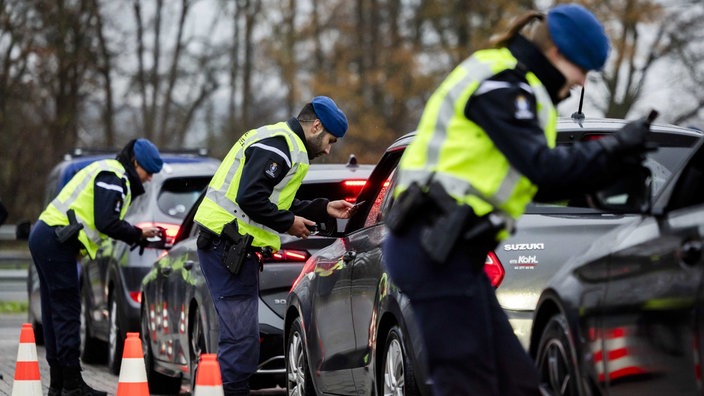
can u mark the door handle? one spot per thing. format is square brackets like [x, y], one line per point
[691, 252]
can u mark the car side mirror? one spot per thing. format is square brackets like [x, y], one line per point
[628, 195]
[327, 228]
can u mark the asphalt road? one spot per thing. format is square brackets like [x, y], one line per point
[98, 376]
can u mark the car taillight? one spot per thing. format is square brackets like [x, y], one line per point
[493, 269]
[593, 136]
[171, 230]
[308, 267]
[286, 255]
[352, 189]
[136, 296]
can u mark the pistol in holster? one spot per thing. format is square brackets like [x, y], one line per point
[236, 247]
[69, 232]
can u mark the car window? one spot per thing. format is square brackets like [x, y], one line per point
[663, 163]
[178, 194]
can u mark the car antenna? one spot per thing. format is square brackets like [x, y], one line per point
[578, 115]
[352, 161]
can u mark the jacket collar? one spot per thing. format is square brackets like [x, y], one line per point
[530, 58]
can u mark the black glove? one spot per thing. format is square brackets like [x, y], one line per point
[629, 140]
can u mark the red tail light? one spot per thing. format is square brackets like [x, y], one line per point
[352, 189]
[493, 269]
[287, 255]
[171, 230]
[136, 296]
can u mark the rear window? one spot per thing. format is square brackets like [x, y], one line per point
[346, 189]
[178, 194]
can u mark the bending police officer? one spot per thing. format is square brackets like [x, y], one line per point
[485, 147]
[91, 207]
[249, 201]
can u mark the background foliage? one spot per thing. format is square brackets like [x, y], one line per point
[198, 73]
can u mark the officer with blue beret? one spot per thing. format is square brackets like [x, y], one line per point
[249, 202]
[88, 209]
[486, 144]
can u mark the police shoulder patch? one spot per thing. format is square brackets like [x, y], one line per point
[522, 107]
[272, 169]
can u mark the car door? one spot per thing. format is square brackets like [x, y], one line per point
[368, 284]
[648, 338]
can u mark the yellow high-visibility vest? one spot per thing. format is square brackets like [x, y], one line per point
[453, 150]
[78, 194]
[220, 206]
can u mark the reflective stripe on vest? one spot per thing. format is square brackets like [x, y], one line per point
[456, 152]
[219, 206]
[78, 194]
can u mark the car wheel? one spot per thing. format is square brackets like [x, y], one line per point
[197, 345]
[398, 376]
[298, 379]
[92, 349]
[116, 337]
[556, 358]
[158, 383]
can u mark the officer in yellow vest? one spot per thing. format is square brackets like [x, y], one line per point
[249, 201]
[485, 145]
[89, 208]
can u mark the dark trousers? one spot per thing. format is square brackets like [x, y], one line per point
[237, 306]
[471, 347]
[60, 294]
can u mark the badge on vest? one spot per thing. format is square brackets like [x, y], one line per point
[523, 109]
[272, 169]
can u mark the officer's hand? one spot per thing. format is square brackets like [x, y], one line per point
[151, 232]
[630, 140]
[300, 226]
[340, 209]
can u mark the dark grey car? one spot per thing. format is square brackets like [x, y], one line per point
[349, 329]
[178, 318]
[624, 316]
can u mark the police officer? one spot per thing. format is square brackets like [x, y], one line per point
[88, 209]
[254, 189]
[486, 144]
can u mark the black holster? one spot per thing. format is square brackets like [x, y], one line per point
[236, 247]
[69, 232]
[444, 220]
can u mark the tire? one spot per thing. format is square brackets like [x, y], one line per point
[397, 377]
[158, 383]
[196, 342]
[116, 337]
[298, 379]
[92, 349]
[557, 360]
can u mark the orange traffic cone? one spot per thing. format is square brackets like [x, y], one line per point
[133, 374]
[208, 379]
[27, 379]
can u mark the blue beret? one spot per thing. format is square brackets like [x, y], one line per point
[579, 36]
[330, 115]
[147, 156]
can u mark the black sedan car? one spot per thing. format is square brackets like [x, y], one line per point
[624, 317]
[178, 319]
[349, 330]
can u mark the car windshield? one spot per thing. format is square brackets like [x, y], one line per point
[178, 194]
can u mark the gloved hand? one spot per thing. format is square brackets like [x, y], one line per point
[629, 140]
